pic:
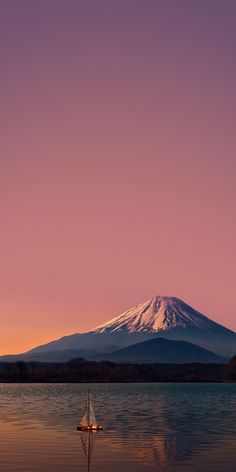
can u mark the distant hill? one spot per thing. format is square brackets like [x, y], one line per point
[163, 351]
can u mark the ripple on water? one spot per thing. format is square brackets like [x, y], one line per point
[164, 427]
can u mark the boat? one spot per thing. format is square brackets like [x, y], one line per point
[88, 421]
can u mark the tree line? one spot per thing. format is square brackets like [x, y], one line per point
[80, 370]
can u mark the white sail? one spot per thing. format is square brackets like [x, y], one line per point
[92, 418]
[84, 421]
[88, 421]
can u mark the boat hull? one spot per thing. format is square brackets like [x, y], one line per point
[89, 428]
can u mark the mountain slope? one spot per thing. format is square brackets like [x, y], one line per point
[162, 350]
[64, 355]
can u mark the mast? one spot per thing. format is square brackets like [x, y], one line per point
[88, 406]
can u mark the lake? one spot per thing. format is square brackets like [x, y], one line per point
[147, 427]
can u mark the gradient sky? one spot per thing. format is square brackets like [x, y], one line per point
[117, 167]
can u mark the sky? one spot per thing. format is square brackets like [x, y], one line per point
[117, 161]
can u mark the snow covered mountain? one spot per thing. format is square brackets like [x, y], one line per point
[165, 317]
[158, 314]
[170, 318]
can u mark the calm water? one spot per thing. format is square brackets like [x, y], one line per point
[162, 427]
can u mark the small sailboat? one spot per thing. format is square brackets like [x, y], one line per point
[88, 421]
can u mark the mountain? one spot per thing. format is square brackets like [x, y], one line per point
[171, 318]
[165, 317]
[160, 350]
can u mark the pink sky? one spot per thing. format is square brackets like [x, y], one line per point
[117, 167]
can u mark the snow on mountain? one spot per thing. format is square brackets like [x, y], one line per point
[158, 314]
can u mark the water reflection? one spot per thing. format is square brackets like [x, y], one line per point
[88, 442]
[165, 427]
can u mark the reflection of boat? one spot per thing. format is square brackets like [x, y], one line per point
[88, 421]
[87, 442]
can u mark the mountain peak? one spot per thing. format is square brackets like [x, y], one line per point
[160, 313]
